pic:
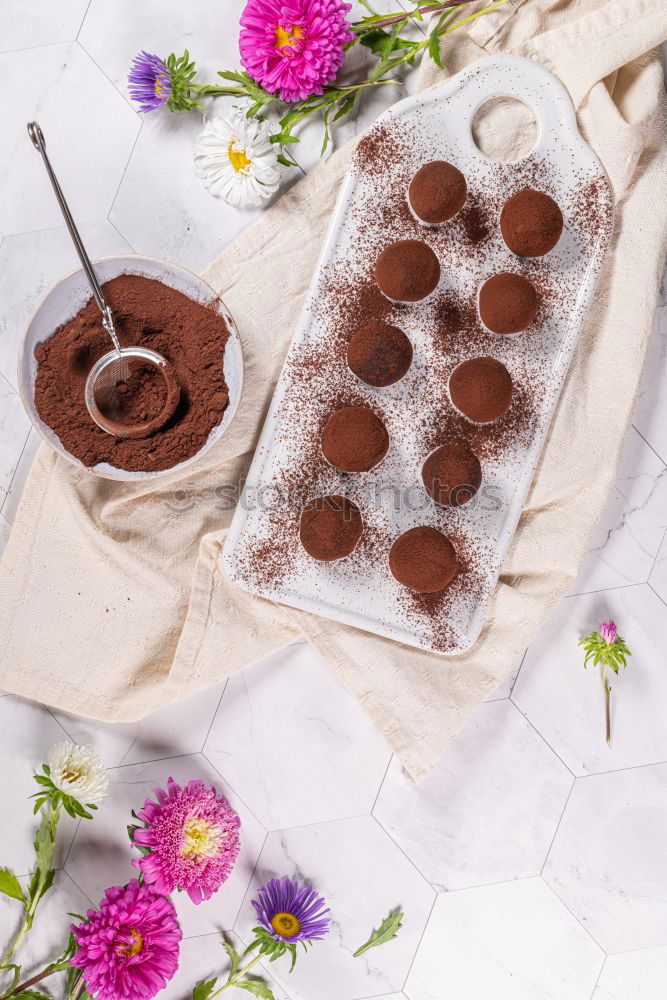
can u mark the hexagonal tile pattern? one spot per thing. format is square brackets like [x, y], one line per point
[27, 731]
[52, 254]
[636, 975]
[460, 824]
[50, 928]
[101, 854]
[176, 729]
[9, 502]
[607, 859]
[89, 129]
[658, 577]
[513, 941]
[40, 22]
[202, 958]
[362, 875]
[566, 703]
[628, 535]
[298, 745]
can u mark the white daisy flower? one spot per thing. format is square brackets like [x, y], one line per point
[78, 771]
[235, 159]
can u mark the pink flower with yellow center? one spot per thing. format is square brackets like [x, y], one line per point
[128, 948]
[190, 840]
[294, 47]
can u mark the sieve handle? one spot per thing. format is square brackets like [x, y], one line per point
[38, 141]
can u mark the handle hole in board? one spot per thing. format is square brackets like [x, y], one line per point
[505, 129]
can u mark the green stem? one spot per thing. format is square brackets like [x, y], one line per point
[361, 27]
[49, 971]
[206, 90]
[233, 980]
[607, 704]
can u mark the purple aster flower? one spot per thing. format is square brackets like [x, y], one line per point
[128, 948]
[149, 82]
[291, 912]
[609, 632]
[190, 840]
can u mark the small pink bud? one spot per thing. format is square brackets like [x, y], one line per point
[609, 632]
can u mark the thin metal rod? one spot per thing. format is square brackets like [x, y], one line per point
[38, 141]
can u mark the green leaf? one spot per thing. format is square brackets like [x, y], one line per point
[234, 956]
[284, 162]
[387, 931]
[292, 950]
[15, 976]
[434, 47]
[10, 886]
[204, 989]
[30, 995]
[256, 986]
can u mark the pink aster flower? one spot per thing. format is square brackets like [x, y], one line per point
[128, 948]
[294, 47]
[609, 632]
[190, 840]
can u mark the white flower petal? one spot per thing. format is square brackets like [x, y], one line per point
[258, 180]
[78, 771]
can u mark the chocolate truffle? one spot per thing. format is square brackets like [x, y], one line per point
[507, 303]
[452, 473]
[481, 389]
[531, 223]
[330, 527]
[423, 559]
[407, 271]
[437, 192]
[354, 439]
[379, 354]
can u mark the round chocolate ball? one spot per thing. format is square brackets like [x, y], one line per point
[452, 473]
[481, 389]
[531, 223]
[379, 354]
[423, 559]
[437, 192]
[330, 527]
[354, 439]
[407, 271]
[508, 303]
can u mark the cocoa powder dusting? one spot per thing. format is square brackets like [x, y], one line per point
[147, 313]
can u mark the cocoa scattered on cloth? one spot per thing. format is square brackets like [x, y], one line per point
[354, 439]
[407, 271]
[330, 527]
[423, 559]
[379, 354]
[147, 313]
[481, 389]
[437, 192]
[508, 303]
[531, 223]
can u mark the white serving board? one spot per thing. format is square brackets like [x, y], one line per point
[262, 553]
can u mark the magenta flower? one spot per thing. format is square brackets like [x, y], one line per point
[294, 47]
[291, 912]
[190, 840]
[609, 632]
[128, 948]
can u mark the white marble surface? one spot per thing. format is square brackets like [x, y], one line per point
[533, 849]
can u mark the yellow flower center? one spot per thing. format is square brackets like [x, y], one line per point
[285, 925]
[286, 40]
[158, 86]
[71, 776]
[237, 158]
[135, 947]
[201, 839]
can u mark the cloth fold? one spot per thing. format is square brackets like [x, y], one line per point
[111, 599]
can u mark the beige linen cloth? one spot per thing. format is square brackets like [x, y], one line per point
[111, 600]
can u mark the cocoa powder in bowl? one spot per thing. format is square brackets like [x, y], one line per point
[354, 439]
[379, 354]
[437, 192]
[147, 313]
[481, 389]
[423, 559]
[407, 271]
[330, 527]
[452, 474]
[508, 303]
[531, 223]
